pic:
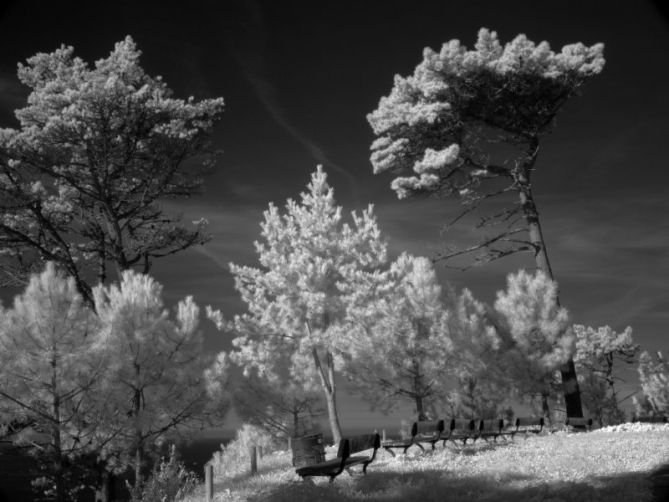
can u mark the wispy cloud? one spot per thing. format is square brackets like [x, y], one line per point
[247, 50]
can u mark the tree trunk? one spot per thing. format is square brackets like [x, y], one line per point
[419, 408]
[570, 388]
[546, 409]
[104, 491]
[57, 463]
[418, 390]
[329, 388]
[137, 404]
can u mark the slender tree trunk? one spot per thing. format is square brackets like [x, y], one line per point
[296, 421]
[418, 390]
[419, 408]
[57, 463]
[570, 387]
[546, 408]
[329, 388]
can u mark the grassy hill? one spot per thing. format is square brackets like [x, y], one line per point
[611, 464]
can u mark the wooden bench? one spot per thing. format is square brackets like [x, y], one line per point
[421, 432]
[362, 442]
[578, 424]
[334, 467]
[460, 429]
[650, 420]
[489, 428]
[527, 425]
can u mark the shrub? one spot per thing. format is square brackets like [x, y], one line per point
[170, 481]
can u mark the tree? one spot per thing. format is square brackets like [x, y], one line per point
[97, 149]
[311, 262]
[401, 348]
[654, 379]
[469, 123]
[50, 370]
[535, 332]
[596, 352]
[155, 379]
[481, 385]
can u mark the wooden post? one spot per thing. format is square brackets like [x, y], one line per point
[208, 482]
[254, 460]
[383, 436]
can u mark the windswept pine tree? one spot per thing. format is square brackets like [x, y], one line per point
[468, 123]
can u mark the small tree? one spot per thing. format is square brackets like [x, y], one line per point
[311, 262]
[401, 347]
[155, 379]
[654, 377]
[469, 123]
[596, 352]
[97, 150]
[536, 332]
[50, 371]
[480, 383]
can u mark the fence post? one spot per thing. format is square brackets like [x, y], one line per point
[384, 435]
[254, 460]
[209, 481]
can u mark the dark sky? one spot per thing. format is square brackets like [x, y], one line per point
[300, 77]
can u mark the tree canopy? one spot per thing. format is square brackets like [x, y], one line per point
[97, 150]
[311, 262]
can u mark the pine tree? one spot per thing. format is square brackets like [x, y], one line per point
[537, 338]
[51, 371]
[400, 347]
[154, 387]
[97, 150]
[468, 123]
[310, 264]
[596, 352]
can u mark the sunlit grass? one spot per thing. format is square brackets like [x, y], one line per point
[596, 466]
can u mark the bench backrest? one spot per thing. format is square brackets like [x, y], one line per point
[651, 420]
[529, 422]
[344, 450]
[579, 422]
[427, 429]
[364, 442]
[462, 424]
[491, 425]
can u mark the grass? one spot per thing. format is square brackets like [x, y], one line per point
[608, 465]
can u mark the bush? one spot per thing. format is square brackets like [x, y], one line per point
[170, 481]
[234, 458]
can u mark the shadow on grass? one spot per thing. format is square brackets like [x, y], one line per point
[432, 485]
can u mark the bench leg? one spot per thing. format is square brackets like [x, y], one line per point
[389, 450]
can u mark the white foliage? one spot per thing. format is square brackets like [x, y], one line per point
[311, 261]
[429, 111]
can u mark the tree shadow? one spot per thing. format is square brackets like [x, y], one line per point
[436, 485]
